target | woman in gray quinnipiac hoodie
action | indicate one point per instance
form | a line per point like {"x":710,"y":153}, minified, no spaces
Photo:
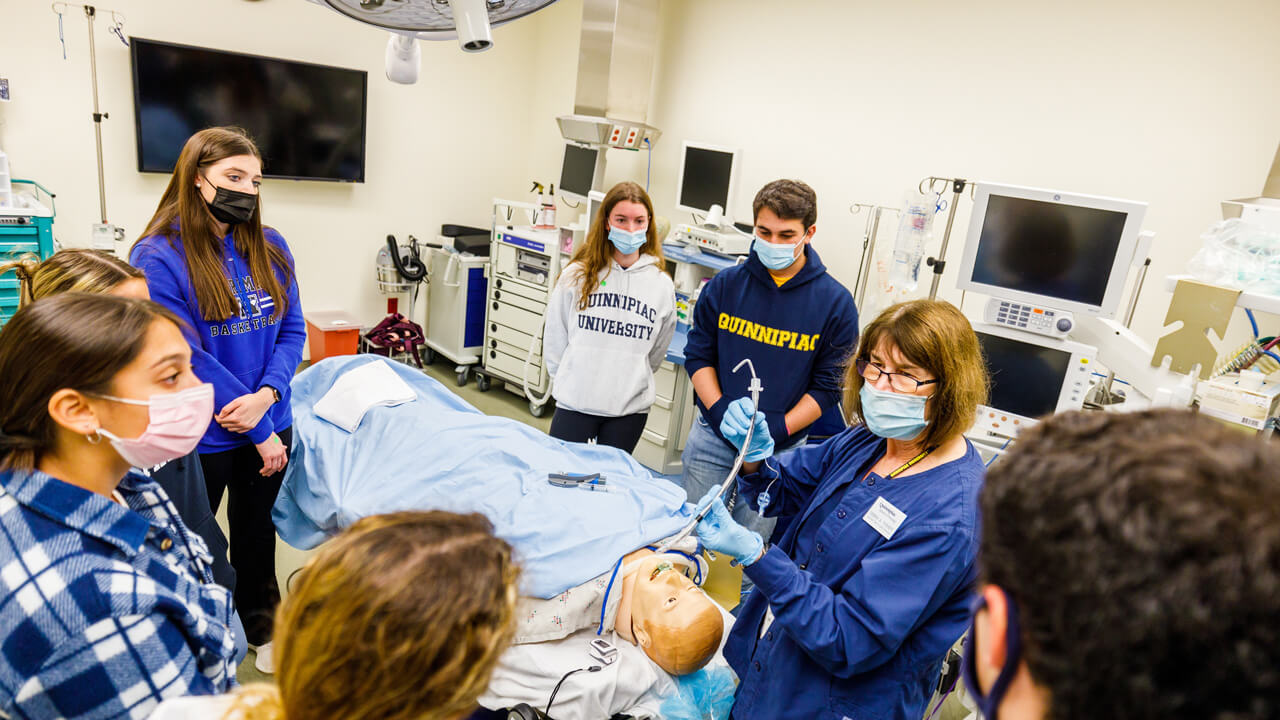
{"x":609,"y":322}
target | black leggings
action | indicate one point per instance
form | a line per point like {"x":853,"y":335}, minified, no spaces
{"x":620,"y":432}
{"x":253,"y":536}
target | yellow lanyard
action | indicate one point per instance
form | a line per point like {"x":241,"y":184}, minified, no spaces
{"x":904,"y":467}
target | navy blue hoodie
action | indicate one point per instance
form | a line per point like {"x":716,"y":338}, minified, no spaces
{"x":239,"y":355}
{"x":798,"y":337}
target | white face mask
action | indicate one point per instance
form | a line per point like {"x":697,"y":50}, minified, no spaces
{"x":776,"y":256}
{"x":177,"y":422}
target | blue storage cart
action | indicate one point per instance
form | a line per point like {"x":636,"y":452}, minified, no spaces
{"x":26,"y":229}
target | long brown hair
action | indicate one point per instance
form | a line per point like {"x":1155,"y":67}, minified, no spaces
{"x":597,"y":252}
{"x":73,"y":340}
{"x":936,"y":336}
{"x":70,"y":270}
{"x":401,"y":617}
{"x":183,"y":214}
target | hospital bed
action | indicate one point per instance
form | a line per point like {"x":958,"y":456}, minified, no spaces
{"x":425,"y":448}
{"x":437,"y":452}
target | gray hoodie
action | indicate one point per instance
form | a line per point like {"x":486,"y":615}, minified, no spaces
{"x":602,"y":359}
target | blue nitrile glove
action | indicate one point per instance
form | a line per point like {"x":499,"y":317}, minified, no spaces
{"x":721,"y":533}
{"x":734,"y":429}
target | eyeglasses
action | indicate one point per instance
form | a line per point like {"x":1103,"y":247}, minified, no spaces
{"x":900,"y":382}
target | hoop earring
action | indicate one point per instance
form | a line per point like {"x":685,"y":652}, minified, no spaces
{"x":94,"y":437}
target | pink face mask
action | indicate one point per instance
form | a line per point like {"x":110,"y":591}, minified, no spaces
{"x":177,"y":422}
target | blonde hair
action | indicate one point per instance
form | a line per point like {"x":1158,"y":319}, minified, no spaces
{"x":937,"y":337}
{"x":401,"y":617}
{"x":596,"y":253}
{"x":71,"y":270}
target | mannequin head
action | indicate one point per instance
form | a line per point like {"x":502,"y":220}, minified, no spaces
{"x":673,"y":620}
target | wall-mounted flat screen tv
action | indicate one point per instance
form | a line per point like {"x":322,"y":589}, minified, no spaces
{"x":308,"y":120}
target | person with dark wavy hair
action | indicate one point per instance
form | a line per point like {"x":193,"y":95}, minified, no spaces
{"x":1130,"y":569}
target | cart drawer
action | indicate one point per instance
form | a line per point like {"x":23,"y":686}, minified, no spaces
{"x":511,"y":336}
{"x":651,"y":452}
{"x":664,"y":380}
{"x":506,"y":297}
{"x":517,"y":352}
{"x":515,"y":317}
{"x":511,"y":368}
{"x":659,"y":420}
{"x":11,"y":248}
{"x":505,"y":286}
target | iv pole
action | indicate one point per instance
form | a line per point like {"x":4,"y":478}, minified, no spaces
{"x":98,"y":116}
{"x":939,"y":263}
{"x":104,"y":234}
{"x":868,"y":245}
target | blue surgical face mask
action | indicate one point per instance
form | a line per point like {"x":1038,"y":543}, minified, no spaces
{"x":628,"y":242}
{"x":775,"y":256}
{"x":989,"y":703}
{"x":892,"y":415}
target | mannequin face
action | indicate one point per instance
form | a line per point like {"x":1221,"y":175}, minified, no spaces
{"x":665,"y":596}
{"x":675,"y":622}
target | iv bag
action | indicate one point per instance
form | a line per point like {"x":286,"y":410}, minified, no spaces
{"x":915,"y":227}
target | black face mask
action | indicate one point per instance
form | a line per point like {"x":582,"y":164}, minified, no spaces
{"x":232,"y":206}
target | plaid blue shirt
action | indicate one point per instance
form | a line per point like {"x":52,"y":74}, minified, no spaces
{"x":104,"y":611}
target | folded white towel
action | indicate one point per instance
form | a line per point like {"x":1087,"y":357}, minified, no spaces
{"x":371,"y":385}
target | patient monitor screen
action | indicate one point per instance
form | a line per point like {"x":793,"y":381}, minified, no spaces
{"x":1044,"y":248}
{"x":579,"y":169}
{"x":1026,"y":379}
{"x":705,"y":178}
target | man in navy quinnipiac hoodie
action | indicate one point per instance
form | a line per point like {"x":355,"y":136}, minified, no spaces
{"x":796,"y":323}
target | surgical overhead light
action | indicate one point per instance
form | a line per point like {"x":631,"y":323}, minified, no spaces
{"x":467,"y":20}
{"x":403,"y":59}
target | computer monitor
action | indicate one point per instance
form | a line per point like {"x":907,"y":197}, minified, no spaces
{"x":707,"y":177}
{"x":1049,"y":248}
{"x":1031,"y":376}
{"x":581,"y":171}
{"x":595,"y":199}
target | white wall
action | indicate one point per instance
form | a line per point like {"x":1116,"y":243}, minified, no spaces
{"x":1168,"y":102}
{"x":437,"y":151}
{"x":1173,"y":103}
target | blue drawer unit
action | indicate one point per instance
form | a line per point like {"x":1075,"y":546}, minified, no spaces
{"x":24,"y":230}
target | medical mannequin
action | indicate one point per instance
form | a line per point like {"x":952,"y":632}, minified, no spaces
{"x":669,"y":617}
{"x":649,"y":602}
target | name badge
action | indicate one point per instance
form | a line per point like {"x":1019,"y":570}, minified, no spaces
{"x":885,"y":518}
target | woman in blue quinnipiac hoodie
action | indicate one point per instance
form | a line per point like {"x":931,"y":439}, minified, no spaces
{"x":209,"y":259}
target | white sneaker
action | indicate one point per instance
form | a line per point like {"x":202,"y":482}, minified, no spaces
{"x":264,"y":659}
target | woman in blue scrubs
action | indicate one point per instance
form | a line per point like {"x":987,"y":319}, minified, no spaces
{"x":857,"y":604}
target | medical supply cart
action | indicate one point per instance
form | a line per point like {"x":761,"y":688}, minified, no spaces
{"x":671,"y":417}
{"x":26,"y":228}
{"x":524,"y":266}
{"x":454,"y":317}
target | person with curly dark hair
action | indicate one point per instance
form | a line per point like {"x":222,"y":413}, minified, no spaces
{"x":1130,"y":569}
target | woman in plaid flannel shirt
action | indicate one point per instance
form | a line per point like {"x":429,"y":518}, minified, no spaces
{"x":107,"y":602}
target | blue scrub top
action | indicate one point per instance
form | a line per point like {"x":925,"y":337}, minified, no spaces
{"x":862,"y":622}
